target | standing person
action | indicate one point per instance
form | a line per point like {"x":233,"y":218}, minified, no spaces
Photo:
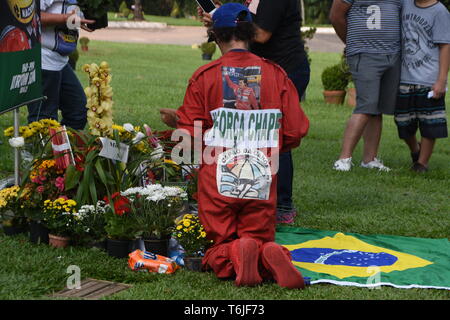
{"x":371,"y":31}
{"x":237,"y":191}
{"x":425,"y":64}
{"x":59,"y":82}
{"x":278,"y":38}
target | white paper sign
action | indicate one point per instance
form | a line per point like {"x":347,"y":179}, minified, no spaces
{"x":110,"y":150}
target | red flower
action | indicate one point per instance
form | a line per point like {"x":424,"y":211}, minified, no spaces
{"x":121,"y":203}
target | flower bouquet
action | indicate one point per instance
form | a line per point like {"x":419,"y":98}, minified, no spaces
{"x":191,"y":235}
{"x":120,"y":226}
{"x":91,"y":222}
{"x":154,"y":208}
{"x":61,"y":219}
{"x":11,"y":216}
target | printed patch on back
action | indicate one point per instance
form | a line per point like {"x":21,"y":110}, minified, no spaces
{"x":241,"y":87}
{"x":244,"y":174}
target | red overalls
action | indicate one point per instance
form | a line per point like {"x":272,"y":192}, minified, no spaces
{"x":237,"y":193}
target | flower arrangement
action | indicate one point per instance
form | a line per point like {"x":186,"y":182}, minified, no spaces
{"x":191,"y":235}
{"x":44,"y":182}
{"x":35,"y":136}
{"x":155,"y":208}
{"x":91,"y":222}
{"x":10,"y":214}
{"x":99,"y":99}
{"x":60,"y":216}
{"x":120,"y":224}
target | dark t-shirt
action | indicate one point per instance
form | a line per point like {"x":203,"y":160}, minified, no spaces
{"x":283,"y":19}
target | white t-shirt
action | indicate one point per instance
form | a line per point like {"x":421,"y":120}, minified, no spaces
{"x":51,"y":60}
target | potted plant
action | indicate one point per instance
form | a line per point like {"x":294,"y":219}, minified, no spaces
{"x":154,"y":209}
{"x":60,"y":217}
{"x":84,"y":42}
{"x":11,"y":217}
{"x":335,"y":81}
{"x":45,"y":181}
{"x":191,"y":235}
{"x":120,"y":226}
{"x":208,"y":49}
{"x":90,"y":228}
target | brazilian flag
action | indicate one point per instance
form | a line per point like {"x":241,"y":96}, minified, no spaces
{"x":368,"y":260}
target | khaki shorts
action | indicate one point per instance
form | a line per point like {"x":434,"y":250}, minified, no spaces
{"x":376,"y":78}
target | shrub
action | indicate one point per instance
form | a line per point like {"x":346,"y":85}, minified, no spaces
{"x":335,"y":78}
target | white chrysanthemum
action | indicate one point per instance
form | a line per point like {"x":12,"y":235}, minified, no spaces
{"x":17,"y":142}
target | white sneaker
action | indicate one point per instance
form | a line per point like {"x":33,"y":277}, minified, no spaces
{"x":375,"y":164}
{"x":343,"y":164}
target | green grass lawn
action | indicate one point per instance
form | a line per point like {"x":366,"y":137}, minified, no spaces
{"x":149,"y":77}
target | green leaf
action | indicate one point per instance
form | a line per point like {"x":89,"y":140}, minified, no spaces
{"x":72,"y":177}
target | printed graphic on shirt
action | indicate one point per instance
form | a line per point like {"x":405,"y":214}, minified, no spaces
{"x":244,"y":174}
{"x":417,"y":42}
{"x":241,"y":87}
{"x":244,"y":128}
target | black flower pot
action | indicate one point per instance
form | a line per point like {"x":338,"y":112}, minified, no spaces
{"x":14,"y":230}
{"x":98,"y":244}
{"x":193,"y":263}
{"x":206,"y":56}
{"x":118,"y":248}
{"x":38,"y":232}
{"x":157,"y":246}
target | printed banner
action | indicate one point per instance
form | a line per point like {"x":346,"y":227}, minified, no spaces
{"x":244,"y":128}
{"x":20,"y":53}
{"x":368,"y":261}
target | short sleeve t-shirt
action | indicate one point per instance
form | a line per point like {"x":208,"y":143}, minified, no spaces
{"x":423,"y":29}
{"x":373,"y":27}
{"x":51,"y":60}
{"x":283,"y":19}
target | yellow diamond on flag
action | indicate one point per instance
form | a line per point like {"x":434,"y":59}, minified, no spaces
{"x":345,"y":256}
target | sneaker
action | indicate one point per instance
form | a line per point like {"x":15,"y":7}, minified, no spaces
{"x":343,"y":164}
{"x":415,"y":155}
{"x":375,"y":164}
{"x":245,"y":259}
{"x":286,"y":216}
{"x":418,"y":167}
{"x":278,"y":263}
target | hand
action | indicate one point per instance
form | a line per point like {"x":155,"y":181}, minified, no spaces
{"x":71,"y":19}
{"x":205,"y":17}
{"x":439,"y":89}
{"x":169,"y":117}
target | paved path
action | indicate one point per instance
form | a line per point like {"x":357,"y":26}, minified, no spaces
{"x":325,"y":40}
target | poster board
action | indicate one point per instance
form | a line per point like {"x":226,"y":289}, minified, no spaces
{"x":20,"y":53}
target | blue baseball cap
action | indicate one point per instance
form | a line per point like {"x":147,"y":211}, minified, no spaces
{"x":229,"y":14}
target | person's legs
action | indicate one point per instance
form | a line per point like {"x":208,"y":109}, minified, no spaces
{"x":387,"y":101}
{"x":285,"y":209}
{"x":367,"y":71}
{"x":72,"y":100}
{"x":48,"y":108}
{"x":372,"y":137}
{"x":426,"y":150}
{"x":352,"y":134}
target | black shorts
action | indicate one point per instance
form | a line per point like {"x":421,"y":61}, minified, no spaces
{"x":415,"y":110}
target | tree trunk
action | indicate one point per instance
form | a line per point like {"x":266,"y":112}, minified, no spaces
{"x":138,"y":15}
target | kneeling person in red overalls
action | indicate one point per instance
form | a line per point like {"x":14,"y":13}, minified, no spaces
{"x":237,"y":191}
